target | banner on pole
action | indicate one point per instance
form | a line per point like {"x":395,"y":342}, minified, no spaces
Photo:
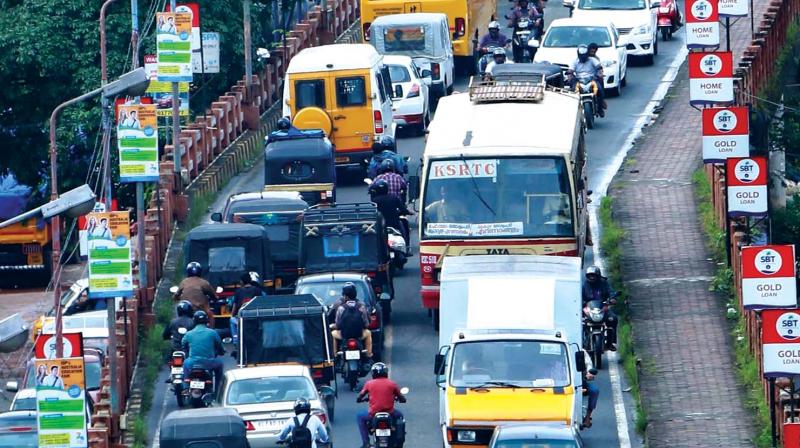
{"x":109,"y":255}
{"x":137,"y":140}
{"x":726,"y":133}
{"x":710,"y":78}
{"x":734,"y":8}
{"x":210,"y":56}
{"x":174,"y":46}
{"x":747,"y":186}
{"x":61,"y":403}
{"x":193,"y":9}
{"x":780,"y":339}
{"x":768,"y":277}
{"x":702,"y":24}
{"x":45,"y":345}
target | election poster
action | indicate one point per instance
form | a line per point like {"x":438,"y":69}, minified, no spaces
{"x":174,"y":46}
{"x":61,"y":403}
{"x":137,"y":140}
{"x":109,"y":241}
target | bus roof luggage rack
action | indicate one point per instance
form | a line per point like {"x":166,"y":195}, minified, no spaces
{"x":513,"y":87}
{"x":340,"y":212}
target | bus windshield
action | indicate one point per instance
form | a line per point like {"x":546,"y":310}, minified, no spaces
{"x":510,"y":197}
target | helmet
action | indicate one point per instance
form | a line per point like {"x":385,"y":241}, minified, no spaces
{"x":379,"y":370}
{"x":194,"y":269}
{"x":499,"y":53}
{"x":583,"y":53}
{"x":387,"y":166}
{"x":593,"y":271}
{"x":302,"y":406}
{"x":379,"y":187}
{"x":284,"y":124}
{"x":388,"y":143}
{"x":349,"y":290}
{"x":184,"y":308}
{"x":494,"y":25}
{"x":200,"y":317}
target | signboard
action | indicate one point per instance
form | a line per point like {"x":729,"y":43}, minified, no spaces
{"x":61,"y":403}
{"x":768,"y":277}
{"x":109,"y":255}
{"x":193,"y":9}
{"x":151,"y":66}
{"x":791,"y":435}
{"x":174,"y":46}
{"x":210,"y":57}
{"x":137,"y":140}
{"x":478,"y":230}
{"x":455,"y":169}
{"x":726,"y":133}
{"x":747,"y":186}
{"x":161,"y":94}
{"x":45,"y":346}
{"x":702,"y":24}
{"x":733,"y":8}
{"x":780,"y":337}
{"x":710,"y":78}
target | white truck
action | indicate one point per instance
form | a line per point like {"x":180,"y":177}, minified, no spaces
{"x":510,"y":341}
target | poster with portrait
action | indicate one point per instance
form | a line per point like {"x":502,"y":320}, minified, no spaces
{"x":137,"y":140}
{"x":174,"y":46}
{"x":61,"y":402}
{"x":109,"y":243}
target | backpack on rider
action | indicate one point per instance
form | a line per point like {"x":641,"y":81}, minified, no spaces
{"x":351,"y":321}
{"x":301,"y":435}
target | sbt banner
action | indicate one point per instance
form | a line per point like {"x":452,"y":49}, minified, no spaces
{"x":702,"y":24}
{"x":733,"y":8}
{"x":109,"y":244}
{"x":747,"y":186}
{"x":780,"y":339}
{"x":710,"y":78}
{"x":726,"y":133}
{"x":61,"y":402}
{"x":768,"y":277}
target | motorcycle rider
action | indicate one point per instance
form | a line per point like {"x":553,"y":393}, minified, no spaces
{"x":203,"y":345}
{"x":397,"y":185}
{"x":180,"y":325}
{"x":382,"y":393}
{"x":385,"y":148}
{"x":585,"y":66}
{"x":601,"y":93}
{"x":494,"y":38}
{"x":596,"y":287}
{"x":352,"y":320}
{"x":251,"y":288}
{"x":524,"y":11}
{"x":498,"y":58}
{"x":391,"y":207}
{"x":590,"y":389}
{"x":196,"y":289}
{"x":304,"y":419}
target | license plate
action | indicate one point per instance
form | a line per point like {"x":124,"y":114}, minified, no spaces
{"x":343,"y":159}
{"x":177,"y":371}
{"x":383,"y":432}
{"x":197,"y":385}
{"x":269,"y":425}
{"x":352,"y":355}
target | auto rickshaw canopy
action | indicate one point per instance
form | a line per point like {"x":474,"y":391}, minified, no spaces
{"x":205,"y":427}
{"x":229,"y":250}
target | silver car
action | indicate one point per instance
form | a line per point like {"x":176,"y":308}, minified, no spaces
{"x":264,"y":397}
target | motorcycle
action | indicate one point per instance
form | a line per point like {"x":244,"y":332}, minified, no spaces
{"x":199,"y":385}
{"x":353,"y":362}
{"x":595,"y":331}
{"x":669,"y":19}
{"x":587,"y":87}
{"x":397,"y":247}
{"x":483,"y":56}
{"x":176,"y":376}
{"x":525,"y":35}
{"x":385,"y":431}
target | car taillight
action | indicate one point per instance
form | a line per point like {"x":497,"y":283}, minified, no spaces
{"x":383,"y":424}
{"x":366,"y":30}
{"x":373,"y":321}
{"x":461,"y":26}
{"x":378,"y":118}
{"x":414,"y":92}
{"x":316,"y":373}
{"x":248,"y":425}
{"x":177,"y":361}
{"x":436,"y":71}
{"x":352,"y":344}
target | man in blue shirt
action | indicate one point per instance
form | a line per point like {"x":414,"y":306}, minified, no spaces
{"x":385,"y":148}
{"x":203,"y":345}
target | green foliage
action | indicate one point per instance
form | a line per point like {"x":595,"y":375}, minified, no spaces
{"x":786,"y":223}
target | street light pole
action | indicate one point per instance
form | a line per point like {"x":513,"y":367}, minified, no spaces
{"x":104,"y":105}
{"x":176,"y":124}
{"x":248,"y":51}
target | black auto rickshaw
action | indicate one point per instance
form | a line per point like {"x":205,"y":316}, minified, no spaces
{"x":205,"y":427}
{"x":280,"y":213}
{"x":301,"y":160}
{"x":289,"y":329}
{"x":227,"y":251}
{"x":346,"y":237}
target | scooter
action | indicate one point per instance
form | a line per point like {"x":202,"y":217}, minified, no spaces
{"x":397,"y":248}
{"x":353,"y":362}
{"x":385,"y":431}
{"x":669,"y":19}
{"x":483,"y":56}
{"x":524,"y":36}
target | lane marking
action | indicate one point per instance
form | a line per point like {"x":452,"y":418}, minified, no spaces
{"x":623,"y":432}
{"x":157,"y":435}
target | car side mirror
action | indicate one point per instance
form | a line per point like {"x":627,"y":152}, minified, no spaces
{"x":398,"y":91}
{"x":438,"y":363}
{"x":12,"y":386}
{"x":384,"y":297}
{"x":589,"y":192}
{"x":413,"y":187}
{"x":580,"y":361}
{"x":216,"y":217}
{"x":568,"y":3}
{"x":425,"y":73}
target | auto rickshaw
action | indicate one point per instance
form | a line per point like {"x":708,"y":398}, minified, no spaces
{"x":227,"y":251}
{"x":301,"y":160}
{"x":206,"y":427}
{"x":279,"y":212}
{"x":289,"y":329}
{"x":347,"y":237}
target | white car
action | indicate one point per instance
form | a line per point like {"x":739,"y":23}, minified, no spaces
{"x":560,"y":46}
{"x":410,"y":93}
{"x":635,"y":20}
{"x":264,"y":397}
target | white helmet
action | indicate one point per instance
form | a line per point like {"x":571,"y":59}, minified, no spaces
{"x":494,"y":25}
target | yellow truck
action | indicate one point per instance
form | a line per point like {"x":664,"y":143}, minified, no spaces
{"x":468,"y":19}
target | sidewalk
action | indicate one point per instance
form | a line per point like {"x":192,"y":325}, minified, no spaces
{"x":688,"y":384}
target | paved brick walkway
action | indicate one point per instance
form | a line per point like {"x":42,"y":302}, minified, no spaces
{"x":688,"y":383}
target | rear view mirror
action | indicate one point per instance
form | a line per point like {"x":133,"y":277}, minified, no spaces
{"x":580,"y":361}
{"x":438,"y":363}
{"x":173,"y":289}
{"x":216,"y":217}
{"x":426,"y":73}
{"x":568,"y":3}
{"x":12,"y":386}
{"x":398,"y":91}
{"x":405,"y":390}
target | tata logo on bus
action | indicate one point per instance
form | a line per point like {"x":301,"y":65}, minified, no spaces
{"x":454,"y":169}
{"x":747,"y":186}
{"x":710,"y":77}
{"x":780,"y":339}
{"x":726,"y":133}
{"x":768,"y":282}
{"x":702,"y":24}
{"x":501,"y":251}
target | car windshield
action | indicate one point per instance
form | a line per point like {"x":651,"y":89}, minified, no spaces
{"x":24,"y":404}
{"x":536,"y":443}
{"x":398,"y":73}
{"x":495,"y":198}
{"x":572,"y":36}
{"x":269,"y":390}
{"x":328,"y":292}
{"x":510,"y":364}
{"x":20,"y":439}
{"x":612,"y":4}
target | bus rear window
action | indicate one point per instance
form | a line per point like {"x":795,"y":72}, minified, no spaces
{"x":351,"y":91}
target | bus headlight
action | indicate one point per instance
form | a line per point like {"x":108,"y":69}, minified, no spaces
{"x":466,"y":436}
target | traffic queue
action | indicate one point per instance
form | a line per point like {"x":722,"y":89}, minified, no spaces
{"x":302,"y":285}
